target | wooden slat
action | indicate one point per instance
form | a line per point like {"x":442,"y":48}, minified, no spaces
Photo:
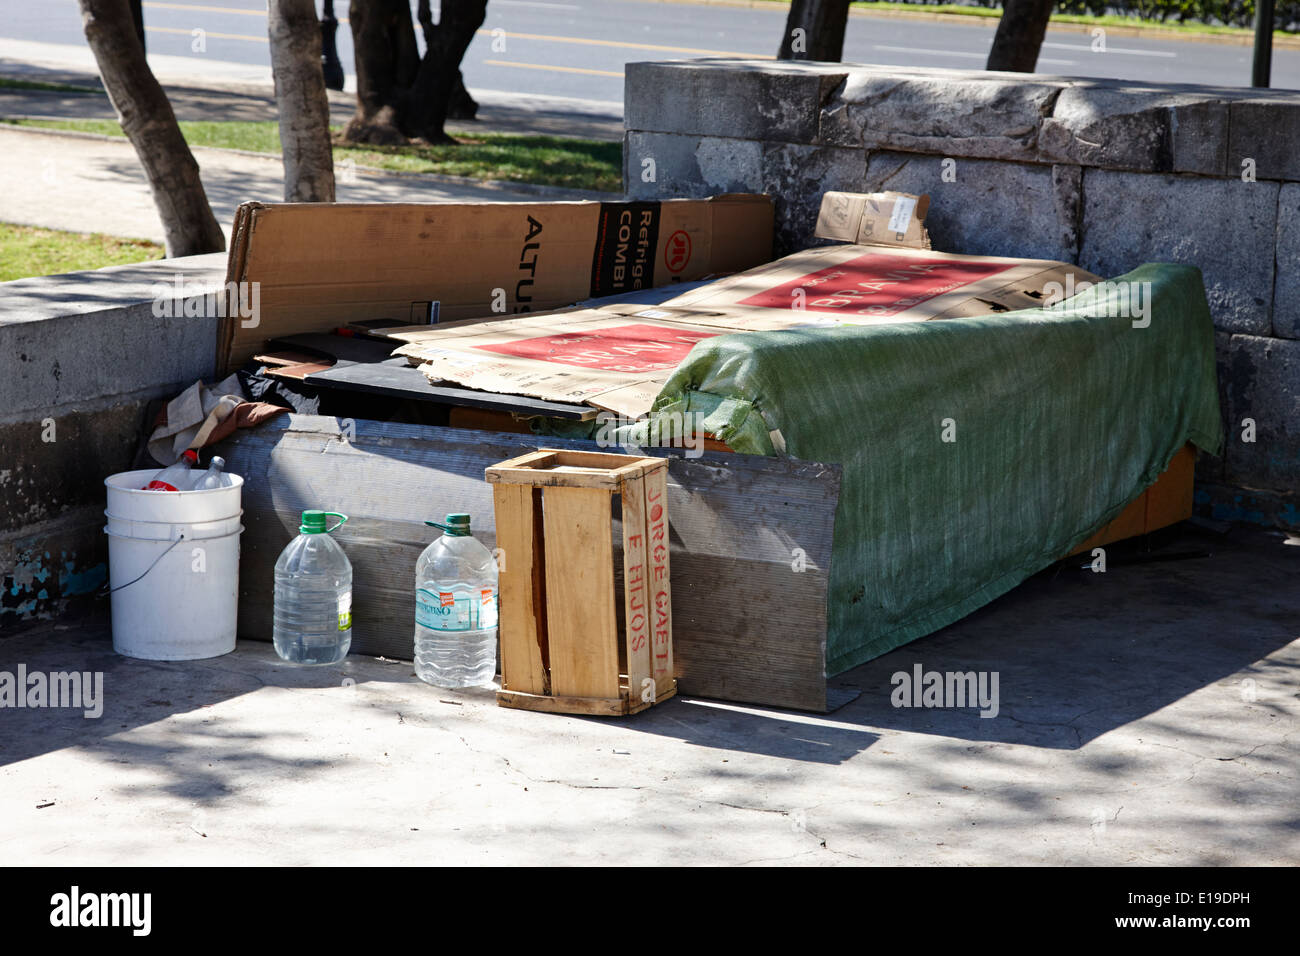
{"x":561,"y":477}
{"x":636,"y":573}
{"x":592,"y":459}
{"x":581,"y":622}
{"x":587,"y":706}
{"x":534,"y":459}
{"x":661,"y":603}
{"x":522,"y":618}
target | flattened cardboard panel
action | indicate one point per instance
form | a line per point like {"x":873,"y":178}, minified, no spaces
{"x":319,"y":265}
{"x":617,"y":357}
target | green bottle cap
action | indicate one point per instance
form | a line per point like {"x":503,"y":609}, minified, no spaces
{"x":457,"y":525}
{"x":313,"y":522}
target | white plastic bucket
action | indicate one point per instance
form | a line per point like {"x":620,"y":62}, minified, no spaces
{"x":173,"y":566}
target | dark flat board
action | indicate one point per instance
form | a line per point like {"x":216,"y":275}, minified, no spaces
{"x":342,"y":348}
{"x":750,"y":541}
{"x":407,"y":381}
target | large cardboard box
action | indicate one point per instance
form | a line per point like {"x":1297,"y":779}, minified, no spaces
{"x":320,"y":265}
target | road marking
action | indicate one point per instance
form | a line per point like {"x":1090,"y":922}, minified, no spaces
{"x":586,"y":41}
{"x":971,"y":56}
{"x":917,"y":49}
{"x":205,"y":9}
{"x":537,"y":3}
{"x":557,"y":69}
{"x":1109,"y":49}
{"x":206,"y":33}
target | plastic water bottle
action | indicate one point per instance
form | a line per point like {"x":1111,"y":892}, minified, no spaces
{"x":456,"y":609}
{"x":313,"y":595}
{"x":177,"y":476}
{"x":213,"y":477}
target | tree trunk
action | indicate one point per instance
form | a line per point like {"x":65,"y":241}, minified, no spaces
{"x":399,"y":95}
{"x":1019,"y":36}
{"x":462,"y":106}
{"x":149,"y":123}
{"x":137,"y":17}
{"x":386,"y":58}
{"x":435,"y":82}
{"x":814,"y":30}
{"x":300,"y":94}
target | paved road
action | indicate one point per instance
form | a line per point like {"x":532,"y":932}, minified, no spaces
{"x":578,"y":48}
{"x":86,"y":184}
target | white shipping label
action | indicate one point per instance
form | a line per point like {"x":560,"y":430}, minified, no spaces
{"x":902,"y":214}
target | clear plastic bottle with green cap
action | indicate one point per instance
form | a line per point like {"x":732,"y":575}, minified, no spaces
{"x":456,"y":609}
{"x":313,"y":594}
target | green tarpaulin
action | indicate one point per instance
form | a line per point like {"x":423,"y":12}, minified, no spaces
{"x":975,"y":452}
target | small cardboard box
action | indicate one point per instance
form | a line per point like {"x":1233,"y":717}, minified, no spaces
{"x":321,"y":265}
{"x":887,"y":219}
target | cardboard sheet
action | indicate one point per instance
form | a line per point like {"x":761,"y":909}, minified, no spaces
{"x":321,"y":265}
{"x":870,"y":285}
{"x":617,"y":357}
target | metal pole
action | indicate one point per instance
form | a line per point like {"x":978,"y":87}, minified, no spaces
{"x":1262,"y":63}
{"x":329,"y":51}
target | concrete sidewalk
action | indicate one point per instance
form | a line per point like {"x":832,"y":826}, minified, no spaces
{"x":1147,"y":715}
{"x":96,"y":184}
{"x":93,"y":184}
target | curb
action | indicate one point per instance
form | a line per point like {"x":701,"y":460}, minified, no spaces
{"x":504,"y":185}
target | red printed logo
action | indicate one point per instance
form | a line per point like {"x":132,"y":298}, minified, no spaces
{"x":446,"y":599}
{"x":677,"y":251}
{"x":876,"y":284}
{"x":622,"y":348}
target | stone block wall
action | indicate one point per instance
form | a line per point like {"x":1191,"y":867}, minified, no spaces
{"x":1103,"y":173}
{"x":81,"y":357}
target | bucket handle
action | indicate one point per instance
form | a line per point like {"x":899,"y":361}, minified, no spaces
{"x":108,"y":590}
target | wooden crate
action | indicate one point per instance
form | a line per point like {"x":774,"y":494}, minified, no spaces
{"x":560,"y":644}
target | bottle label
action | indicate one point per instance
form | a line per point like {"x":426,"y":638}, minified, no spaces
{"x":345,"y":611}
{"x":458,"y":609}
{"x":157,"y":485}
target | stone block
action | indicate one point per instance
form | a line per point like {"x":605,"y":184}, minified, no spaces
{"x":1223,"y":226}
{"x":992,"y":208}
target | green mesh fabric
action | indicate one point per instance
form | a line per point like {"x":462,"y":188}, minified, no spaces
{"x":1060,"y":418}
